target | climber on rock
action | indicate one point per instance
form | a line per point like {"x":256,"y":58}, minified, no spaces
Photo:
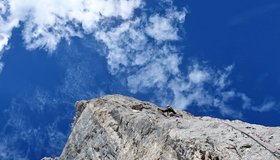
{"x":169,"y":112}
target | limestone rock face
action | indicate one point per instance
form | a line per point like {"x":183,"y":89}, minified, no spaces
{"x":119,"y":127}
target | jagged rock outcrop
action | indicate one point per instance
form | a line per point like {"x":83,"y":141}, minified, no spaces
{"x":119,"y":127}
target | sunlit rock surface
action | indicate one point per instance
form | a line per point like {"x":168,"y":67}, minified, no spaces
{"x":119,"y":127}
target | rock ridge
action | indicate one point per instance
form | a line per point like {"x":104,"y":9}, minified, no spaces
{"x":120,"y":127}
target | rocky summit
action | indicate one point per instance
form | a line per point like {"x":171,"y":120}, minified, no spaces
{"x":123,"y":128}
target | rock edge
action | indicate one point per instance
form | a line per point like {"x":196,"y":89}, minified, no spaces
{"x":119,"y":127}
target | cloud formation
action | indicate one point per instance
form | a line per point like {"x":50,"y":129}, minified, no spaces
{"x":140,"y":51}
{"x":37,"y":121}
{"x":162,"y":28}
{"x":138,"y":47}
{"x":47,"y":22}
{"x":24,"y":139}
{"x":1,"y":67}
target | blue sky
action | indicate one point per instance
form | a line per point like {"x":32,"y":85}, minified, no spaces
{"x":216,"y":58}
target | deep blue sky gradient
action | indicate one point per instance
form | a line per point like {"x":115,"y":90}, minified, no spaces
{"x":243,"y":33}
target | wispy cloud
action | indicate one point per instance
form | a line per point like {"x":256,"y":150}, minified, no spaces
{"x":138,"y":47}
{"x":266,"y":106}
{"x":203,"y":86}
{"x":46,"y":23}
{"x":254,"y":13}
{"x":162,"y":28}
{"x":139,"y":50}
{"x":7,"y":153}
{"x":1,"y":66}
{"x":26,"y":133}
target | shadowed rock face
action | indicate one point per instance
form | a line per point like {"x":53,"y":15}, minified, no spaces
{"x":119,"y":127}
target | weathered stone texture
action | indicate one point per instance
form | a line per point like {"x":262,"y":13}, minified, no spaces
{"x":119,"y":127}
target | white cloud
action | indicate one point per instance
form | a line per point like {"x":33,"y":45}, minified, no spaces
{"x":138,"y":52}
{"x":200,"y":88}
{"x":163,"y":64}
{"x":247,"y":101}
{"x":152,"y":75}
{"x":137,"y":47}
{"x":46,"y":22}
{"x":127,"y":44}
{"x":266,"y":106}
{"x":146,"y":63}
{"x":3,"y":41}
{"x":197,"y":76}
{"x":1,"y":66}
{"x":161,"y":28}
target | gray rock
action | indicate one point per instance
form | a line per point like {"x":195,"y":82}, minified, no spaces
{"x":119,"y":127}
